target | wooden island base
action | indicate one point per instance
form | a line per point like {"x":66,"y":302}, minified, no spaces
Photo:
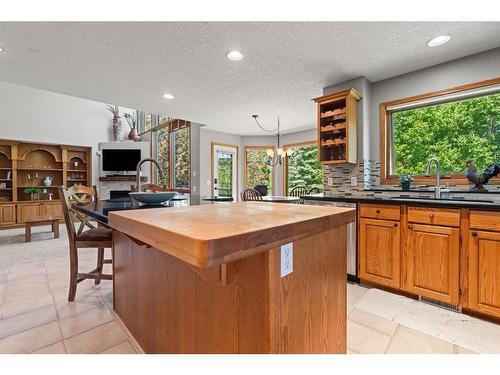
{"x":243,"y":306}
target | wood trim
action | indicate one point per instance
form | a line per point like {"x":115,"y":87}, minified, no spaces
{"x":257,"y":147}
{"x":385,"y":178}
{"x":285,"y":167}
{"x":212,"y":147}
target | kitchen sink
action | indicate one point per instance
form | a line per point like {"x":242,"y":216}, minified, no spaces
{"x":442,"y":199}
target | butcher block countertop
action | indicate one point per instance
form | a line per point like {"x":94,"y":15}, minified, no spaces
{"x":210,"y":235}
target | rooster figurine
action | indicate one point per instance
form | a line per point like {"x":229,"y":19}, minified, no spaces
{"x":479,"y":179}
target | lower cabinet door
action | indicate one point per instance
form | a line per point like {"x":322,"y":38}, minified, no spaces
{"x":484,"y":272}
{"x":53,"y":209}
{"x":27,"y":211}
{"x":379,"y":252}
{"x":433,"y":262}
{"x":7,"y":214}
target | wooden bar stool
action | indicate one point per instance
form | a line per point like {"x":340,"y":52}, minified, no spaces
{"x":95,"y":237}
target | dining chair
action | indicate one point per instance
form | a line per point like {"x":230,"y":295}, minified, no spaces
{"x":314,"y":190}
{"x":95,"y":237}
{"x":250,"y":195}
{"x":298,"y":191}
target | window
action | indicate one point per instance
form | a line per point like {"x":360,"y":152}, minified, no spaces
{"x":171,"y":146}
{"x":258,"y":171}
{"x":181,"y":160}
{"x":162,"y":144}
{"x":303,"y":168}
{"x":454,"y":127}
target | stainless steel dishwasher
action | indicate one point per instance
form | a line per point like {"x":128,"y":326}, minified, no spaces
{"x":352,"y":262}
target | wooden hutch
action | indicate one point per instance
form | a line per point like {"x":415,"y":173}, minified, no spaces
{"x":25,"y":165}
{"x":337,"y":127}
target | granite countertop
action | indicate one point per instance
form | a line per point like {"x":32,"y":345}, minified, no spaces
{"x":410,"y":199}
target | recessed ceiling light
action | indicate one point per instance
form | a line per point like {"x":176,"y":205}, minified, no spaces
{"x":438,"y":41}
{"x":234,"y":55}
{"x":168,"y":96}
{"x":1,"y":49}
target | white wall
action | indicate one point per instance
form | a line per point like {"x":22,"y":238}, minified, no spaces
{"x":29,"y":114}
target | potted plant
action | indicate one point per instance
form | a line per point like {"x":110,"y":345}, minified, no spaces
{"x":117,"y":122}
{"x":34,"y":192}
{"x":132,"y":122}
{"x":405,"y":181}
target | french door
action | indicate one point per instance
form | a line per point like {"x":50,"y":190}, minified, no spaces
{"x":224,"y":171}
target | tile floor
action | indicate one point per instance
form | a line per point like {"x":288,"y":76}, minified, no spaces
{"x":35,"y":316}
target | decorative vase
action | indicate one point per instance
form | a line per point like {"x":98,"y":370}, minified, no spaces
{"x":117,"y":128}
{"x":35,"y":196}
{"x":405,"y":186}
{"x":262,"y":189}
{"x":133,"y":136}
{"x":47,"y":181}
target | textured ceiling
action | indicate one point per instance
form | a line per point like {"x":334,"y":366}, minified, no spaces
{"x":286,"y":64}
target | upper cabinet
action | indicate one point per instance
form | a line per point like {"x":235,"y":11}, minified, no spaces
{"x":337,"y":127}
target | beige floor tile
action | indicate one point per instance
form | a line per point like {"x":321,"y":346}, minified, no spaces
{"x":23,"y":290}
{"x":355,"y":292}
{"x":58,"y":281}
{"x":375,"y":322}
{"x":26,"y":304}
{"x":123,"y":348}
{"x":365,"y":340}
{"x":27,"y":320}
{"x":460,"y":350}
{"x":96,"y":340}
{"x":83,"y":322}
{"x":410,"y":341}
{"x":57,"y":348}
{"x":31,"y":340}
{"x":25,"y":270}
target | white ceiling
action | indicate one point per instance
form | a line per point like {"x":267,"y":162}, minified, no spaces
{"x":286,"y":64}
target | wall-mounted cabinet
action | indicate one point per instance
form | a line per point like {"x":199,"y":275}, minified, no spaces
{"x":25,"y":165}
{"x":337,"y":127}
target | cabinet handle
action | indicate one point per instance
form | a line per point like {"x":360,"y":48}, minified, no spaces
{"x":378,"y":210}
{"x":395,"y":224}
{"x":474,"y":234}
{"x":431,"y":216}
{"x":410,"y":226}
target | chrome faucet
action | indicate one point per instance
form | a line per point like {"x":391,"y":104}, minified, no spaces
{"x":138,"y":172}
{"x":437,"y":189}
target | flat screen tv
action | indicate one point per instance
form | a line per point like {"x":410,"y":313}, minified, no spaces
{"x":120,"y":160}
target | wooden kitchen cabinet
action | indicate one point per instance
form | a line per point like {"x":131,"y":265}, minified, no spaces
{"x":7,"y":214}
{"x":27,"y":211}
{"x":52,"y":209}
{"x":432,"y":262}
{"x":379,"y":251}
{"x":484,"y":272}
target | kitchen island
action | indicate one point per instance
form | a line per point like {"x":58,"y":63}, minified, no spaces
{"x":208,"y":279}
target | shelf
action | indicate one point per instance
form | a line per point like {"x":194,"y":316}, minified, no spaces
{"x":5,"y":179}
{"x":78,"y":170}
{"x":77,"y":179}
{"x":333,"y":128}
{"x":41,"y":169}
{"x":336,"y":112}
{"x":3,"y":189}
{"x":39,"y":186}
{"x":332,"y":144}
{"x":121,"y":178}
{"x":5,"y":168}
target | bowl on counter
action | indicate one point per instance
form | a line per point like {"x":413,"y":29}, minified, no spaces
{"x":151,"y":197}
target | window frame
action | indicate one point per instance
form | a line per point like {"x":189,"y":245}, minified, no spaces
{"x":386,"y":141}
{"x":169,"y":124}
{"x":285,"y":167}
{"x":258,"y":147}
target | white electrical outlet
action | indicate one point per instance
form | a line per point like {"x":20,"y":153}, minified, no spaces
{"x":286,"y":259}
{"x":330,"y":181}
{"x":354,"y":181}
